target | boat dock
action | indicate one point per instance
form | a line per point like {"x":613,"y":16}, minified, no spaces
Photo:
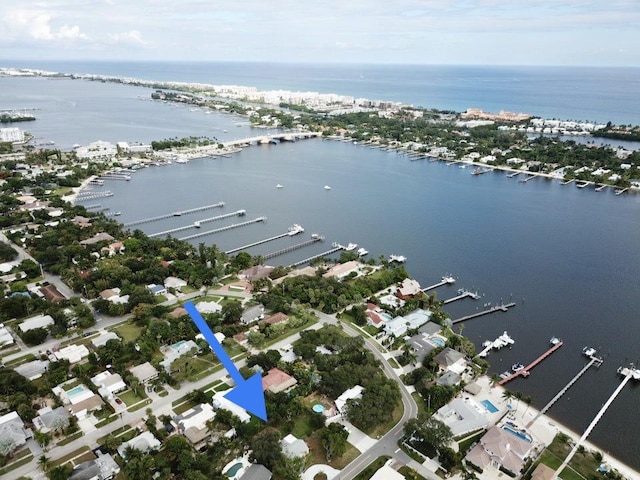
{"x":628,"y":374}
{"x":514,"y":174}
{"x":224,"y":229}
{"x":462,"y":294}
{"x":238,"y":213}
{"x":174,"y":214}
{"x":620,"y":192}
{"x":527,"y":370}
{"x":90,"y":195}
{"x":115,"y":176}
{"x":582,"y":185}
{"x":502,"y":307}
{"x":259,"y":242}
{"x":601,"y":187}
{"x":446,"y":280}
{"x":525,"y":180}
{"x":335,"y":249}
{"x":92,"y":207}
{"x":291,"y":248}
{"x":568,"y":181}
{"x":593,"y":361}
{"x":500,"y":342}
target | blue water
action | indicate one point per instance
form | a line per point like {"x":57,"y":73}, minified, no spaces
{"x":490,"y":406}
{"x":318,"y":408}
{"x":578,"y":93}
{"x":234,"y":469}
{"x":438,"y":341}
{"x":75,"y":391}
{"x":568,"y":257}
{"x":177,"y":345}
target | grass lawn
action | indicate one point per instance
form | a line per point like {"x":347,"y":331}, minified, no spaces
{"x":317,"y":454}
{"x":368,"y":472}
{"x":20,"y":360}
{"x":17,"y":462}
{"x":128,"y":331}
{"x":107,"y":420}
{"x":117,"y":432}
{"x":287,"y":333}
{"x":140,"y":405}
{"x":393,"y":363}
{"x":69,"y":456}
{"x":183,"y":407}
{"x":70,"y":438}
{"x":583,"y":464}
{"x":410,"y":473}
{"x":129,"y":397}
{"x":379,"y":430}
{"x":302,"y":426}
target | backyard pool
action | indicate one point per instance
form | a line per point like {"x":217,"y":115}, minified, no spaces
{"x":234,"y":469}
{"x":490,"y":406}
{"x":438,"y":341}
{"x":318,"y":408}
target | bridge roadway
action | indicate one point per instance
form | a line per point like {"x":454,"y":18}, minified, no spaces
{"x":286,"y":137}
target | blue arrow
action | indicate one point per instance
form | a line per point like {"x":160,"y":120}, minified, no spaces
{"x":248,"y":393}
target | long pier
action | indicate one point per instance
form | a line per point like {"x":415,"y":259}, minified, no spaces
{"x":594,"y":360}
{"x":92,"y":207}
{"x":514,"y":174}
{"x":259,"y":242}
{"x":463,"y":294}
{"x":601,"y":187}
{"x":237,"y":213}
{"x":568,"y":181}
{"x":525,"y":180}
{"x":446,"y":280}
{"x":502,"y":308}
{"x":328,"y":252}
{"x":291,"y":248}
{"x":526,"y":370}
{"x":627,"y":376}
{"x":223,"y":229}
{"x":174,"y":214}
{"x":82,"y":196}
{"x":620,"y":192}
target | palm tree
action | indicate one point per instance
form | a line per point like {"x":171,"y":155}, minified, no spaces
{"x":44,"y":463}
{"x":528,"y":401}
{"x":507,"y":395}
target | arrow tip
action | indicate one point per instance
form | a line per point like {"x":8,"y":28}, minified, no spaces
{"x":250,"y":396}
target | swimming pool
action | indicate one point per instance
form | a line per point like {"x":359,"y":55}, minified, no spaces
{"x":490,"y":406}
{"x":75,"y":391}
{"x":438,"y":341}
{"x":318,"y":408}
{"x":386,"y":316}
{"x":176,"y":346}
{"x":518,"y":434}
{"x":234,"y":469}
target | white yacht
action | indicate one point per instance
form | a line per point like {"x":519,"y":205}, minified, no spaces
{"x":351,"y":246}
{"x":397,"y":258}
{"x":295,"y":229}
{"x":327,"y":187}
{"x":279,"y":186}
{"x":362,"y":252}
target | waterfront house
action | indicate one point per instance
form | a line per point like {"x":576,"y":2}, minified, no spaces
{"x":341,"y":271}
{"x":97,"y":238}
{"x":399,"y":325}
{"x":462,"y":416}
{"x":252,"y":314}
{"x":256,"y":272}
{"x":144,"y":442}
{"x":409,"y":288}
{"x":499,"y":449}
{"x":144,"y":372}
{"x":12,"y":432}
{"x":278,"y":381}
{"x":451,"y":360}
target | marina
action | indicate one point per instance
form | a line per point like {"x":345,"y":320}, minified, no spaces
{"x":174,"y":214}
{"x":198,"y":223}
{"x":521,"y":370}
{"x":224,"y":229}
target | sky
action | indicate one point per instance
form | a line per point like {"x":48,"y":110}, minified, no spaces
{"x":460,"y":32}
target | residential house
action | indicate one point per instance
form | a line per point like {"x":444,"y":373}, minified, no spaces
{"x":193,"y":424}
{"x":342,"y":270}
{"x":500,"y":449}
{"x":255,"y":273}
{"x":97,"y":238}
{"x":352,"y":393}
{"x":51,"y":420}
{"x":208,"y":307}
{"x":175,"y":283}
{"x":257,"y":472}
{"x":293,"y":447}
{"x":252,"y":314}
{"x":72,"y":353}
{"x":374,"y":315}
{"x":178,"y":312}
{"x":12,"y":432}
{"x":157,"y":289}
{"x":462,"y":416}
{"x":32,"y":370}
{"x":177,"y":350}
{"x":219,"y":401}
{"x":51,"y":294}
{"x":39,"y":321}
{"x":542,"y":472}
{"x":276,"y":318}
{"x":79,"y":400}
{"x":399,"y":325}
{"x":103,"y":338}
{"x":387,"y":473}
{"x":144,"y":372}
{"x":104,"y":467}
{"x":5,"y":337}
{"x":409,"y":288}
{"x":144,"y":442}
{"x":277,"y":381}
{"x":449,"y":359}
{"x":108,"y":384}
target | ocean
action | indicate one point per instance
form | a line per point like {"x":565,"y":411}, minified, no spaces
{"x":567,"y":257}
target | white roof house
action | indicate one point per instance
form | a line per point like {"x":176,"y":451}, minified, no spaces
{"x":400,"y":325}
{"x":12,"y":429}
{"x":172,"y":352}
{"x":72,"y":353}
{"x":5,"y":337}
{"x":293,"y":447}
{"x":462,"y":416}
{"x":219,"y":401}
{"x":174,"y":282}
{"x":104,"y":337}
{"x":387,"y":473}
{"x":350,"y":394}
{"x":208,"y":307}
{"x":110,"y":382}
{"x":40,"y":321}
{"x":143,"y":442}
{"x":144,"y":372}
{"x":193,"y":423}
{"x":32,"y":370}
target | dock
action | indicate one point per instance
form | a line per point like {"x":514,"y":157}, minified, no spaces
{"x":90,"y":195}
{"x":446,"y":280}
{"x":500,"y":342}
{"x":462,"y":294}
{"x":620,"y":192}
{"x":92,"y":207}
{"x":568,"y":181}
{"x":238,"y":213}
{"x":335,"y":249}
{"x":174,"y":214}
{"x":593,"y":361}
{"x":525,"y":180}
{"x":223,"y":229}
{"x":525,"y":372}
{"x":514,"y":174}
{"x":291,"y":248}
{"x":628,"y":374}
{"x":601,"y":187}
{"x":502,"y":308}
{"x":582,"y":185}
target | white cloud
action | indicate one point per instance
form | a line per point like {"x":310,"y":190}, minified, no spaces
{"x":132,"y":37}
{"x":21,"y":24}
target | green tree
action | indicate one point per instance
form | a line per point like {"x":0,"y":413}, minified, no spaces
{"x":231,"y":311}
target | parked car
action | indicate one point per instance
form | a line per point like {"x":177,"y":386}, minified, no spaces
{"x":118,"y":401}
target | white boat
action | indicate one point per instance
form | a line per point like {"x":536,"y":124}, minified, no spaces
{"x":295,"y":229}
{"x":397,"y":258}
{"x":554,"y":340}
{"x":362,"y":252}
{"x":279,"y":186}
{"x":589,"y":351}
{"x":351,"y":246}
{"x":516,"y":367}
{"x":327,"y":187}
{"x":504,"y":375}
{"x":196,"y":224}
